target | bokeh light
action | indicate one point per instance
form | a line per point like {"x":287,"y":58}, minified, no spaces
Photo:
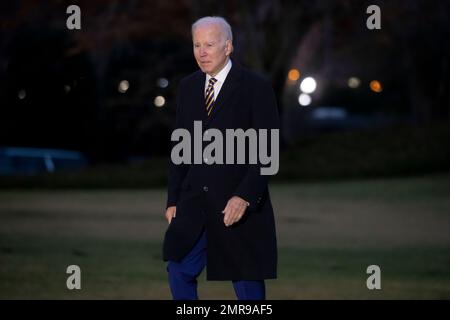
{"x":304,"y":99}
{"x":308,"y":85}
{"x":375,"y":86}
{"x":162,"y":82}
{"x":293,"y":75}
{"x":123,"y":86}
{"x":159,"y":101}
{"x":354,"y":82}
{"x":22,"y":94}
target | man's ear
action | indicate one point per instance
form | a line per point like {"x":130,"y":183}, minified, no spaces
{"x":228,"y":47}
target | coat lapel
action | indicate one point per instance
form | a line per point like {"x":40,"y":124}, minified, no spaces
{"x":231,"y":83}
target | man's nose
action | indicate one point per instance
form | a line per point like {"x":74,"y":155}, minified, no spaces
{"x":202,"y":51}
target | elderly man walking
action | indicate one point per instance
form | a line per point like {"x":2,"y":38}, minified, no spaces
{"x":220,"y":215}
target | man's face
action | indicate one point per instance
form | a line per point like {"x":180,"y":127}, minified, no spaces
{"x":211,"y":50}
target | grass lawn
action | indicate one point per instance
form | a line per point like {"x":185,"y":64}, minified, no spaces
{"x":328,"y":234}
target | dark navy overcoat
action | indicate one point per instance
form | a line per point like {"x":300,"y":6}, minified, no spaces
{"x":246,"y":250}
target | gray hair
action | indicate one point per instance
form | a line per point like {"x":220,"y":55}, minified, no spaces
{"x":215,"y":20}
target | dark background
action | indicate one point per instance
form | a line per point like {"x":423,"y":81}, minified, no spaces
{"x":59,"y":88}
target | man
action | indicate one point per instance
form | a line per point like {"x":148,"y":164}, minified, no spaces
{"x":220,"y":215}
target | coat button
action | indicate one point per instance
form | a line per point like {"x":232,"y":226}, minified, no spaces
{"x":205,"y":188}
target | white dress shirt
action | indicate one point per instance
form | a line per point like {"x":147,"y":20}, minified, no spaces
{"x":220,"y":77}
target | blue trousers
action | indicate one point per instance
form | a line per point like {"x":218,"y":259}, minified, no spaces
{"x":183,"y":277}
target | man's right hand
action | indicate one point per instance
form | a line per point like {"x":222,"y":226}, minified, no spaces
{"x":171,"y":213}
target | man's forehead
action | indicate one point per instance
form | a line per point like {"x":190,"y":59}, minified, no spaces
{"x":207,"y":30}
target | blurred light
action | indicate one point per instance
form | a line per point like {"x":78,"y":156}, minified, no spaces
{"x":354,"y":82}
{"x":67,"y":88}
{"x":304,"y":99}
{"x":49,"y":164}
{"x":308,"y":85}
{"x":293,"y":75}
{"x":159,"y":101}
{"x":22,"y":94}
{"x":375,"y":86}
{"x":162,"y":82}
{"x":329,"y":113}
{"x":123,"y":86}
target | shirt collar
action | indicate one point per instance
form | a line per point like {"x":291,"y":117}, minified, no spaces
{"x":222,"y":75}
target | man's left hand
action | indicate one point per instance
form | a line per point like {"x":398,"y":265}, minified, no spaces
{"x":234,"y":210}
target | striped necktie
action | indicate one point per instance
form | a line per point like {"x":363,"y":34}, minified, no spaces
{"x":209,"y":95}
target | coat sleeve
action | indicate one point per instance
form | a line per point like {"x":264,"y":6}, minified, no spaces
{"x":178,"y":172}
{"x":253,"y":187}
